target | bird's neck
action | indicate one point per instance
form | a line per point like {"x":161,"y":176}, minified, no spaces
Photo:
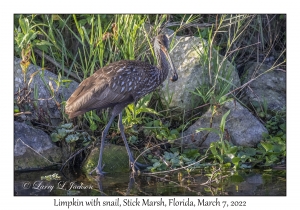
{"x":163,"y":65}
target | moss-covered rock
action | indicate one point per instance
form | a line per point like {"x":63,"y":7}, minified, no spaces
{"x":115,"y":159}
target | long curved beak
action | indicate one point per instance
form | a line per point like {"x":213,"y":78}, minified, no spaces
{"x":175,"y":75}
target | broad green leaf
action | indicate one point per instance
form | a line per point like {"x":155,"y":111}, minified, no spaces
{"x":68,"y":125}
{"x":185,"y":159}
{"x":172,"y":137}
{"x":153,"y":160}
{"x":156,"y":123}
{"x":192,"y":153}
{"x":174,"y":131}
{"x":72,"y":138}
{"x":276,"y":139}
{"x":42,"y":47}
{"x":19,"y":39}
{"x":146,"y":110}
{"x":175,"y":162}
{"x":168,"y":155}
{"x":278,"y":148}
{"x":93,"y":127}
{"x":163,"y":133}
{"x":282,"y":126}
{"x":131,"y":107}
{"x":233,"y":149}
{"x":156,"y":164}
{"x":267,"y":146}
{"x":55,"y":137}
{"x":44,"y":42}
{"x":273,"y":158}
{"x":250,"y":151}
{"x":144,"y":101}
{"x":223,"y":121}
{"x":62,"y":132}
{"x":159,"y":137}
{"x":24,"y":23}
{"x":32,"y":35}
{"x":213,"y":149}
{"x":235,"y":161}
{"x":226,"y":165}
{"x":95,"y":117}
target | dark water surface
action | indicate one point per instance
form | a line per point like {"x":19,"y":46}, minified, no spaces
{"x":243,"y":183}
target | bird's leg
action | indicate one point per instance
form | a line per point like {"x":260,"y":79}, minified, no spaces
{"x":104,"y":133}
{"x":133,"y":164}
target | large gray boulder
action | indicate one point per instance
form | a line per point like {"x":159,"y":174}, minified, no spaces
{"x":186,"y":55}
{"x":33,"y":148}
{"x":47,"y":106}
{"x":242,"y":128}
{"x":270,"y":87}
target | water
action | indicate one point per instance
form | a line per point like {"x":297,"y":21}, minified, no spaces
{"x":242,"y":183}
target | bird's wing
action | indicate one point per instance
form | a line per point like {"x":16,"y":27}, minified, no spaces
{"x":84,"y":95}
{"x":119,"y":82}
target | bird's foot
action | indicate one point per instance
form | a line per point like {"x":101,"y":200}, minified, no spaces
{"x":98,"y":170}
{"x":136,"y":166}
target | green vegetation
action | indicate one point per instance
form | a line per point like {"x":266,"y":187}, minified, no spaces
{"x":51,"y":177}
{"x":77,"y":45}
{"x":67,"y":133}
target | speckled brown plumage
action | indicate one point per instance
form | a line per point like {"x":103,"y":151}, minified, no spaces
{"x":119,"y":84}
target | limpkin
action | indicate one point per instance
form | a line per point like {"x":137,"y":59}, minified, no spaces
{"x":119,"y":84}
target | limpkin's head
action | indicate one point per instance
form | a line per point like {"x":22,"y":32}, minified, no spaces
{"x":161,"y":46}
